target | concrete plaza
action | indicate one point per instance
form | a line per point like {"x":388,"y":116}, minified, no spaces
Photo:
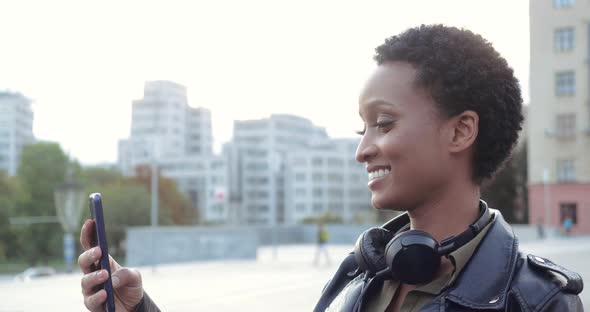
{"x":290,"y":282}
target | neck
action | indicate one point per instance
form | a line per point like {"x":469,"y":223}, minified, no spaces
{"x":448,"y":214}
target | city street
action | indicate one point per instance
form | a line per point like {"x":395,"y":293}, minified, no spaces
{"x":288,"y":283}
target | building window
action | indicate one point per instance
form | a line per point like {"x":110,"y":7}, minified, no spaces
{"x":257,"y":166}
{"x":300,"y":207}
{"x":299,"y":177}
{"x":568,"y":210}
{"x":316,"y":161}
{"x":335,"y":177}
{"x":357,"y":192}
{"x":566,"y":170}
{"x":561,"y":4}
{"x":565,"y":83}
{"x":299,"y":192}
{"x":317,"y":177}
{"x":335,"y":207}
{"x":317,"y":192}
{"x":335,"y":193}
{"x":299,"y":161}
{"x":565,"y":125}
{"x":335,"y":163}
{"x":358,"y":178}
{"x":317,"y":207}
{"x":563,"y":39}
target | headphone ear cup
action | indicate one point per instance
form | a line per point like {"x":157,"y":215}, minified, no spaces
{"x":369,"y":250}
{"x":412,"y":257}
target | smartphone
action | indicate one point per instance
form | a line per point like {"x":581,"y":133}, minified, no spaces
{"x":96,"y":213}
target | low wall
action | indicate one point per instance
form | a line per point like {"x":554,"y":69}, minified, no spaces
{"x":185,"y":244}
{"x":338,"y":234}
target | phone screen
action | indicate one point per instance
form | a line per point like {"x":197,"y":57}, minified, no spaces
{"x":96,"y":213}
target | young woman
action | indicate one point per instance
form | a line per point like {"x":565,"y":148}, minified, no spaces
{"x":441,"y":113}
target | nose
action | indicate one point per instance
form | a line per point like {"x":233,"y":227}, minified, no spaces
{"x":365,"y":151}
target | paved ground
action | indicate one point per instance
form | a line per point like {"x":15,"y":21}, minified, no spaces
{"x":288,"y":283}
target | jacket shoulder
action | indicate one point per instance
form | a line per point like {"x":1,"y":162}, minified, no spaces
{"x":541,"y":285}
{"x":347,"y":271}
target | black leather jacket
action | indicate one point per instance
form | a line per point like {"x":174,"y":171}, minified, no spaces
{"x":497,"y":278}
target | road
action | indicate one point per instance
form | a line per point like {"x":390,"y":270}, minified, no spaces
{"x":288,"y":283}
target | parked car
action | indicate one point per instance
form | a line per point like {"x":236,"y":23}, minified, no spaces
{"x":35,"y":273}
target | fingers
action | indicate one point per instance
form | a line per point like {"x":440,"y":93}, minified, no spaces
{"x":91,"y":281}
{"x":95,"y":302}
{"x":126,"y":277}
{"x":87,"y":235}
{"x":87,"y":259}
{"x":114,"y":265}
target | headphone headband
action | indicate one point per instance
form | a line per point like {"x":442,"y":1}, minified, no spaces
{"x":413,"y":256}
{"x":452,"y":243}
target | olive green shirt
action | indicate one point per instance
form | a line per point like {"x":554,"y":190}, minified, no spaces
{"x":423,"y":294}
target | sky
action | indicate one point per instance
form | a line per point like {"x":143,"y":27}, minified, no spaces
{"x":84,"y":62}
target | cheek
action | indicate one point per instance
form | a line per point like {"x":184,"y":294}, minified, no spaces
{"x":415,"y":161}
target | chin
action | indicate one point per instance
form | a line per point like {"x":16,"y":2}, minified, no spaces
{"x":390,"y":203}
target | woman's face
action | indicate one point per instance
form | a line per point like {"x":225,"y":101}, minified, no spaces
{"x":403,"y":144}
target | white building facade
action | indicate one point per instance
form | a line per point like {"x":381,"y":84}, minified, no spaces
{"x":327,"y":179}
{"x":165,"y":129}
{"x":264,"y":167}
{"x":16,"y":129}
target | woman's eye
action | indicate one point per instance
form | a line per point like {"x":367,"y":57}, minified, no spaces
{"x":384,"y":124}
{"x":362,"y":132}
{"x":381,"y":125}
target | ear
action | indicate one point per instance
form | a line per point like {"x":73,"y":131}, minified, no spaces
{"x":463,"y":131}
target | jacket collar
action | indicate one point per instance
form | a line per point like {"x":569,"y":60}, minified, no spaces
{"x":485,"y":280}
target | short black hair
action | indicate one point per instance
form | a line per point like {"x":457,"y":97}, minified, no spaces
{"x":462,"y":71}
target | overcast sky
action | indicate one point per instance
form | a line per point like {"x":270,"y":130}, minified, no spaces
{"x":83,"y":62}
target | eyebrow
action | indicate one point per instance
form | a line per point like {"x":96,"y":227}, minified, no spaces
{"x":371,"y":104}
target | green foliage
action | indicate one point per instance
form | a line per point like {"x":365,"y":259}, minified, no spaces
{"x":12,"y":195}
{"x":124,"y":204}
{"x":42,"y":168}
{"x":97,"y":176}
{"x":172,"y":202}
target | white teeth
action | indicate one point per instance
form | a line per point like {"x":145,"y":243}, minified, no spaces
{"x":378,"y":173}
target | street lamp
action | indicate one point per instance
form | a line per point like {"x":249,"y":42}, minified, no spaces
{"x":69,"y":200}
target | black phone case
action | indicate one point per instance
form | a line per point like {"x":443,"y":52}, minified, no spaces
{"x":95,"y":206}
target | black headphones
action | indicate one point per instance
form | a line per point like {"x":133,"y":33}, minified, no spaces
{"x":412,"y":257}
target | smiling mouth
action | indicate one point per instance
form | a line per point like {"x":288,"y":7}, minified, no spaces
{"x":377,"y":174}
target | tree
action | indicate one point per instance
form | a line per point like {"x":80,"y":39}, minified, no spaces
{"x":171,"y":200}
{"x":12,"y":195}
{"x":42,"y":168}
{"x":127,"y":202}
{"x":507,"y":191}
{"x":124,"y":204}
{"x":96,"y":176}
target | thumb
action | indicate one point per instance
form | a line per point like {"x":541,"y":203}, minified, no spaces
{"x":126,"y":277}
